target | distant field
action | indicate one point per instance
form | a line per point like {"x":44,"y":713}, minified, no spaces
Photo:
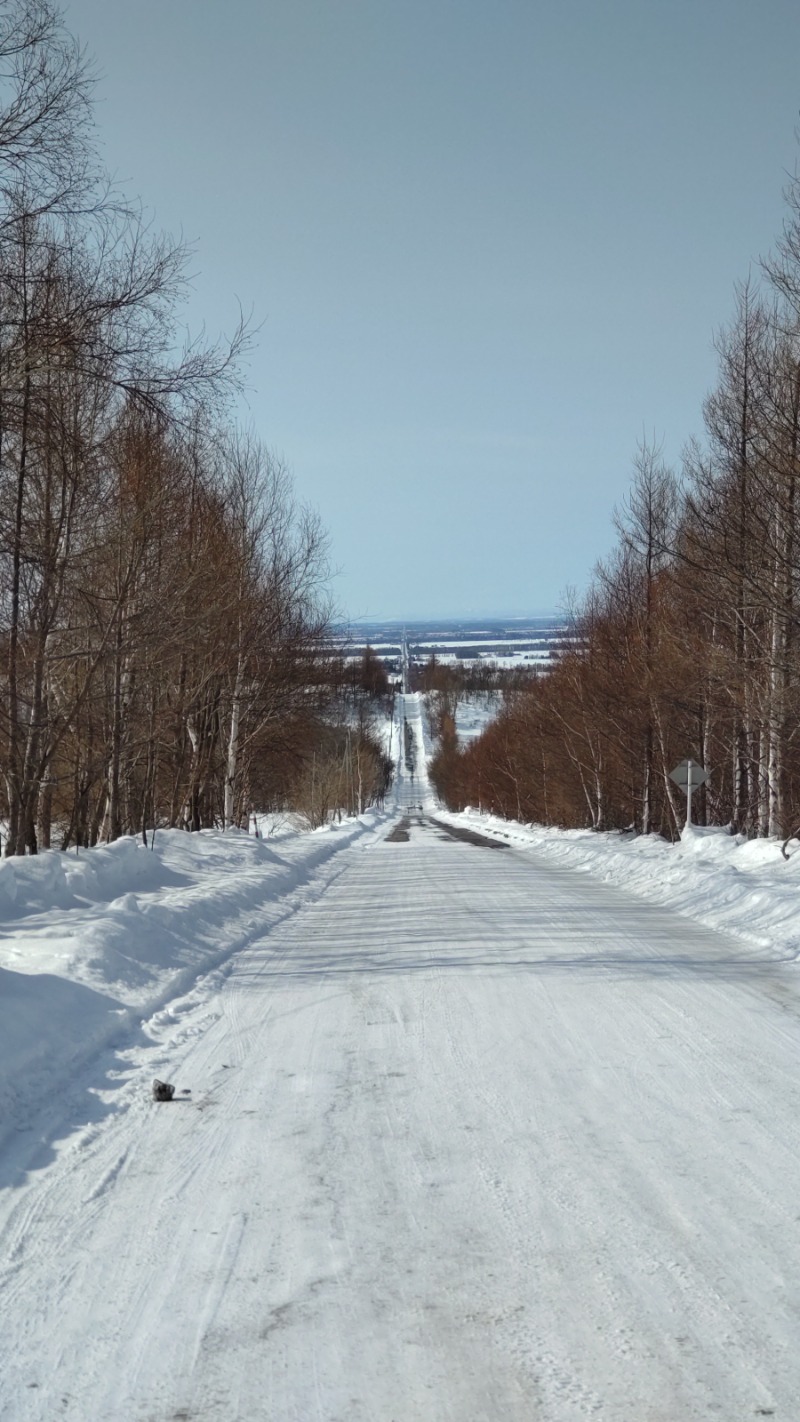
{"x":509,"y":643}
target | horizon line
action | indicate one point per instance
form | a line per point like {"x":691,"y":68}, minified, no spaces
{"x":373,"y":618}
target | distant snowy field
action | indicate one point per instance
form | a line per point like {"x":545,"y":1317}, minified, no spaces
{"x":474,"y":713}
{"x":511,"y":643}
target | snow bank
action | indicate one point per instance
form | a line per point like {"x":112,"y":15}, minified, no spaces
{"x":93,"y":943}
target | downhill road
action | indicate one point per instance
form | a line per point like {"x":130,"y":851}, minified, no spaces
{"x":470,"y":1140}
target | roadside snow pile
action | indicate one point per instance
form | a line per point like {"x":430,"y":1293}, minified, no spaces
{"x":93,"y":944}
{"x":745,"y":887}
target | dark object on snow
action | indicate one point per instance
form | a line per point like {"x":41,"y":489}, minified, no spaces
{"x":162,"y":1091}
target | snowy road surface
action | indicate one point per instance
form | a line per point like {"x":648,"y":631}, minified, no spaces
{"x":470,"y":1139}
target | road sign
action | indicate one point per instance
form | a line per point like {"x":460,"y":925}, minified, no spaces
{"x":688,"y":775}
{"x":688,"y":772}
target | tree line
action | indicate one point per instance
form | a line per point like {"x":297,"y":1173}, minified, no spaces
{"x":166,"y":633}
{"x":686,"y":643}
{"x":454,"y":681}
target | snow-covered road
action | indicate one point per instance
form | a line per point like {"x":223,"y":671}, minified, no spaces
{"x":469,"y":1137}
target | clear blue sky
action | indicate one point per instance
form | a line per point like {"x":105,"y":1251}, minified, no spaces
{"x":489,"y":245}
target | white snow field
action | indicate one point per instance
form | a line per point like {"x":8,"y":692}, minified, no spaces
{"x":469,"y":1136}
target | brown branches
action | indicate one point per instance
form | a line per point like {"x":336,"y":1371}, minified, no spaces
{"x":161,"y":591}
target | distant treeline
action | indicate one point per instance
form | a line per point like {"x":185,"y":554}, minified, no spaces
{"x":687,"y":643}
{"x":456,"y":679}
{"x":165,"y":629}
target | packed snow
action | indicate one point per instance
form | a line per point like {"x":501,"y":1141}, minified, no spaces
{"x":745,"y":887}
{"x":472,"y":1121}
{"x":97,"y":943}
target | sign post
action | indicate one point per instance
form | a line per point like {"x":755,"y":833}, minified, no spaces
{"x":690,"y":776}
